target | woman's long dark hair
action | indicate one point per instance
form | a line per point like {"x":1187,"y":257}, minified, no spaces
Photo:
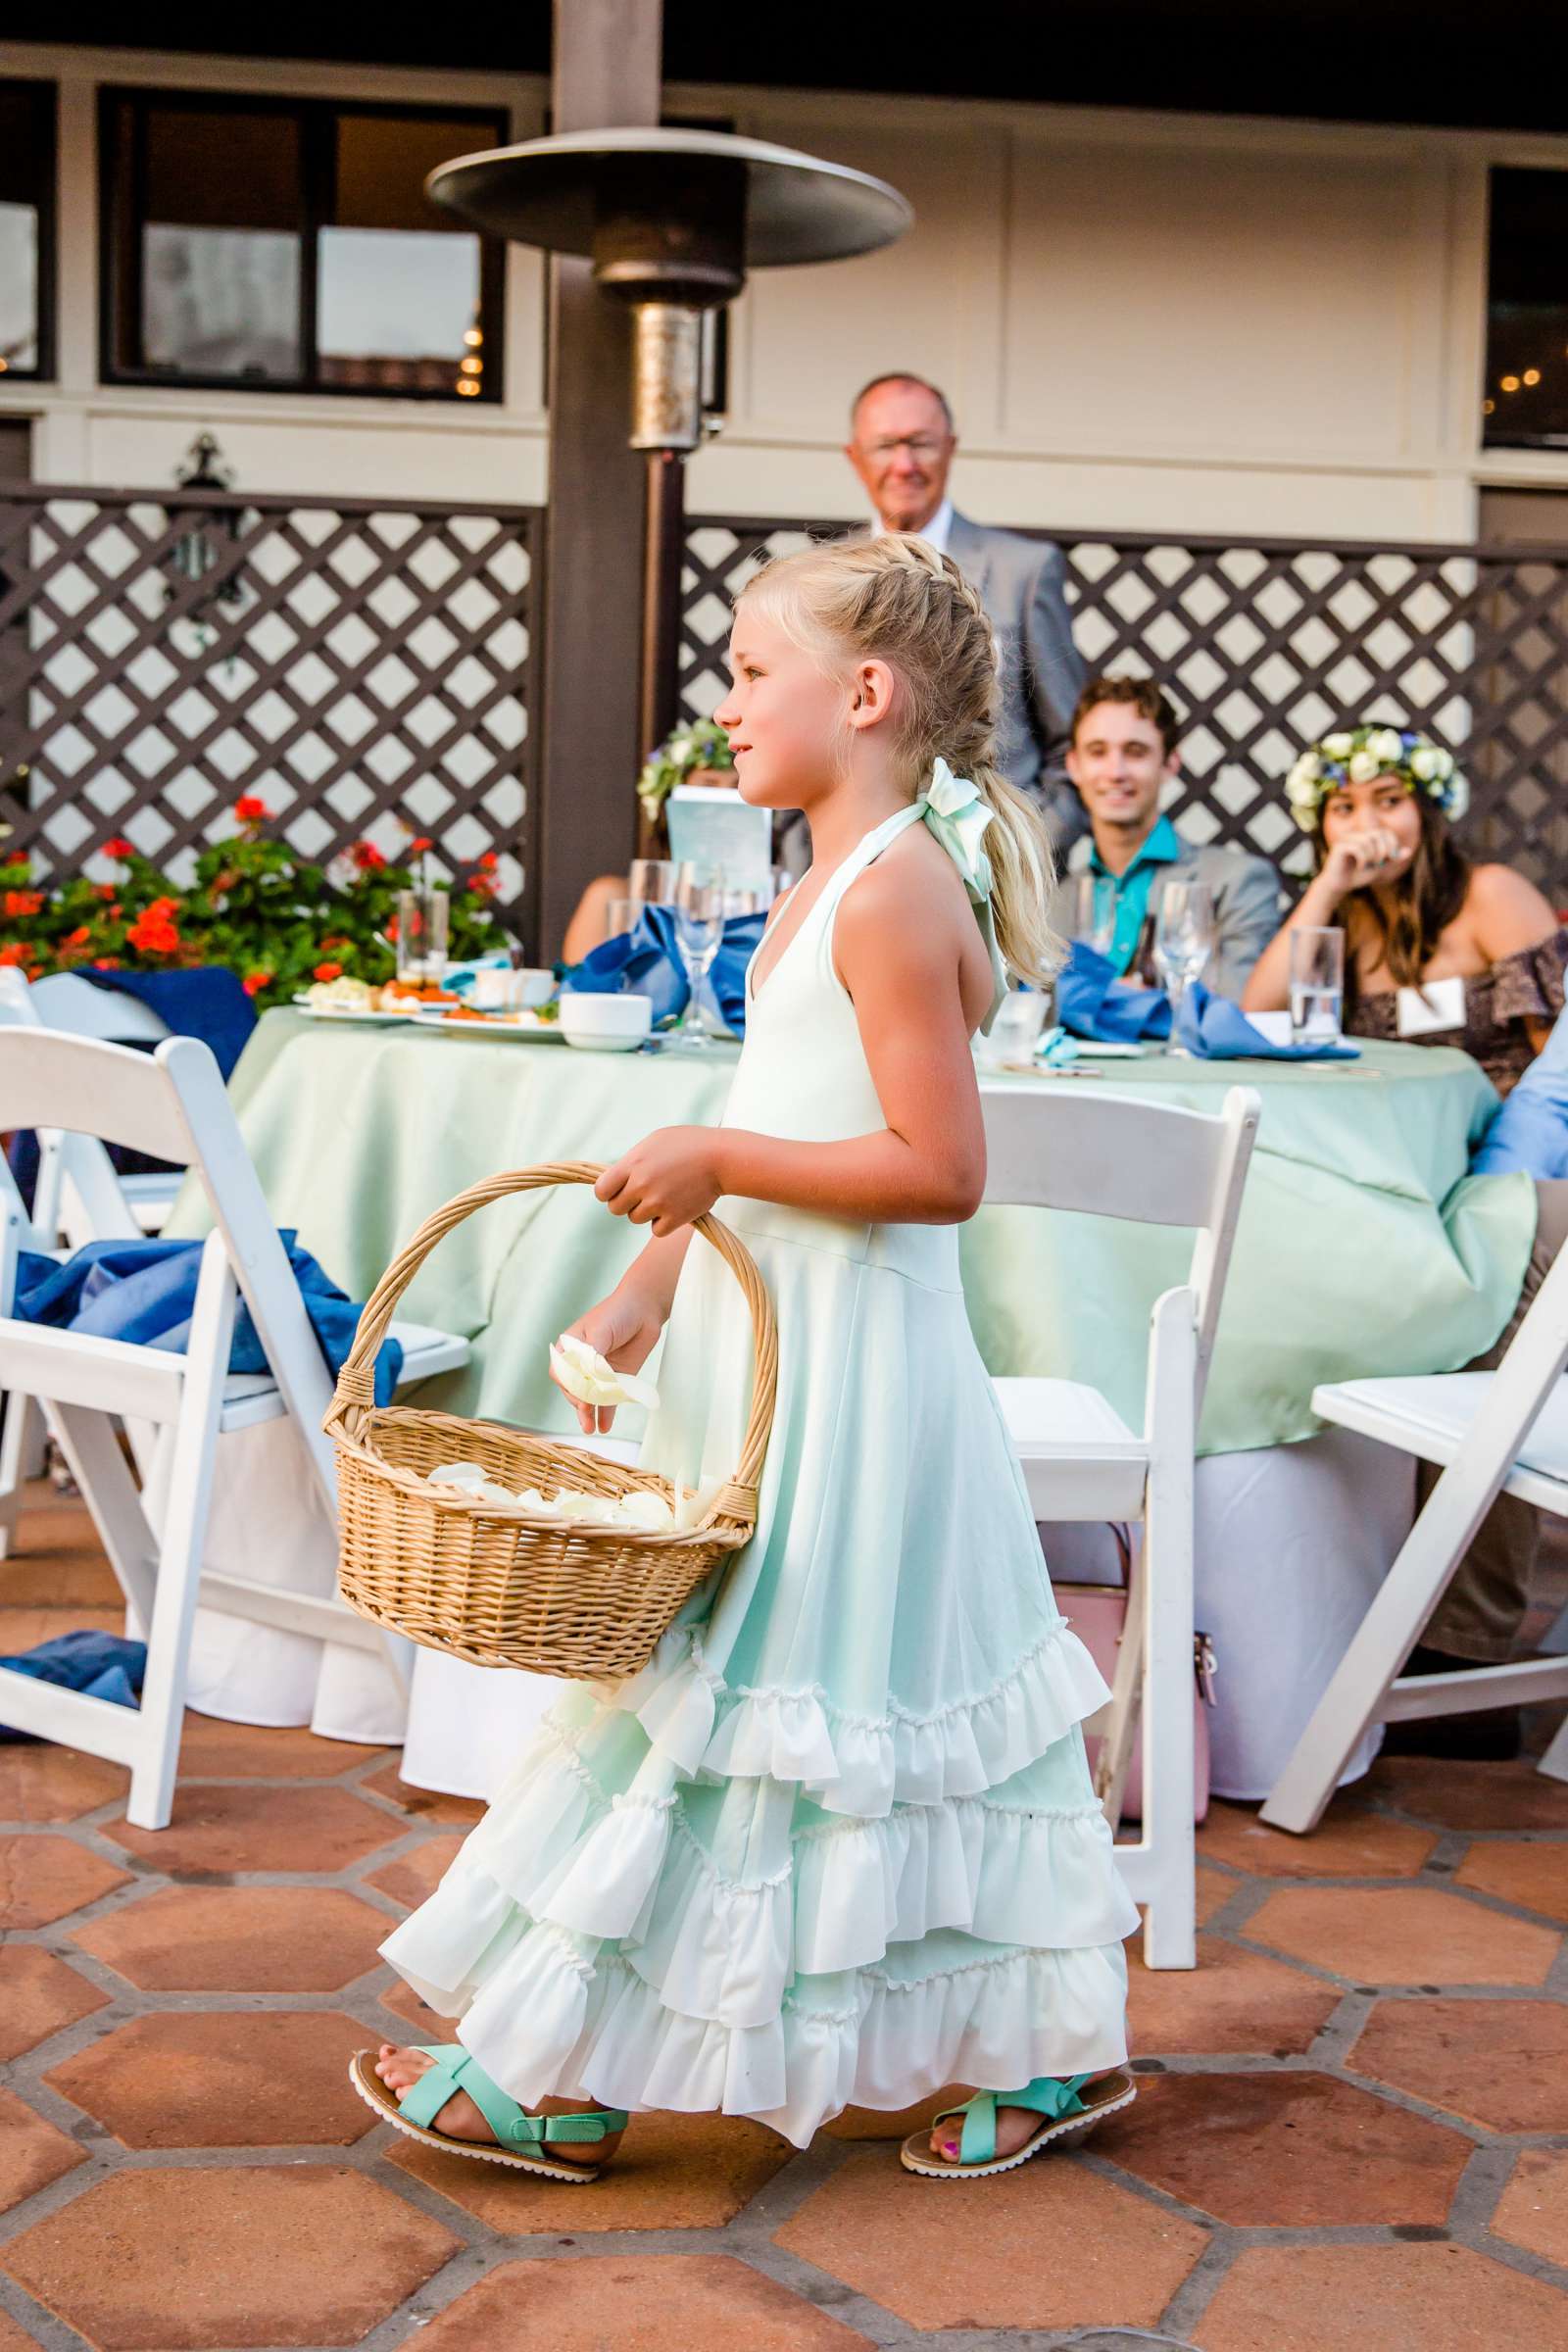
{"x":1426,"y":900}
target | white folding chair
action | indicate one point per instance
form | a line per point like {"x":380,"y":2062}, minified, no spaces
{"x":72,"y":1192}
{"x":171,"y":1104}
{"x":1114,"y":1157}
{"x":1502,"y":1431}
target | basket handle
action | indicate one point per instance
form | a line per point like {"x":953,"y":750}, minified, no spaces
{"x":353,"y":1399}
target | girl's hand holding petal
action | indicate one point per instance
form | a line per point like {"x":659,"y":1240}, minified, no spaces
{"x":666,"y":1180}
{"x":624,"y":1327}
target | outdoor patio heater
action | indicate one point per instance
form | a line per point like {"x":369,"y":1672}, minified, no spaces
{"x":672,"y":222}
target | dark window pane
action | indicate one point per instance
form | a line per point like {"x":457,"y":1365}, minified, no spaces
{"x":222,"y":167}
{"x":26,"y":213}
{"x":399,"y":297}
{"x":220,"y":243}
{"x":1526,"y":399}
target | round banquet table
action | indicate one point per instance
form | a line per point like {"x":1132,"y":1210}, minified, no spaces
{"x":1363,"y":1248}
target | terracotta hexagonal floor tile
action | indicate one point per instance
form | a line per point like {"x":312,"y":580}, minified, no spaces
{"x":26,"y":1629}
{"x":1532,"y":2210}
{"x":652,"y":2302}
{"x":408,"y":2010}
{"x":414,"y":1876}
{"x":1471,"y":1797}
{"x":55,"y":1783}
{"x":1504,"y":2064}
{"x":310,"y":2254}
{"x":238,"y":1829}
{"x":1535,"y":1876}
{"x":1423,"y":2298}
{"x":33,"y":2153}
{"x":424,"y":1805}
{"x":1233,"y":2000}
{"x":39,"y":1995}
{"x":211,"y":1749}
{"x":1403,"y":1935}
{"x":1214,"y":1888}
{"x":672,"y":2172}
{"x":949,"y":2257}
{"x":239,"y":1939}
{"x":1350,"y":1843}
{"x":43,"y":1879}
{"x":221,"y":2078}
{"x":14,"y":2338}
{"x":1287,"y":2150}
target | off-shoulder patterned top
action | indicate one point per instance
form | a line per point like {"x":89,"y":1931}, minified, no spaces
{"x":1498,"y":1002}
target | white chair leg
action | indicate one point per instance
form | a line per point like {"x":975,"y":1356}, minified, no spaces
{"x":1555,"y":1763}
{"x":1170,"y":1931}
{"x":90,"y":1444}
{"x":174,"y":1610}
{"x":21,"y":1458}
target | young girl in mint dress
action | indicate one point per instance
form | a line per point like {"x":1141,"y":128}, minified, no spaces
{"x":837,"y":1843}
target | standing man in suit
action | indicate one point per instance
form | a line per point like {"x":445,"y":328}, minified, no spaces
{"x":901,"y":444}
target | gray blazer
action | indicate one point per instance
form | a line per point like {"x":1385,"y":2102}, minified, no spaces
{"x":1248,"y":906}
{"x":1021,"y":584}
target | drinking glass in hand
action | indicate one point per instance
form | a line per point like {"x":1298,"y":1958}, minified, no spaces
{"x":1095,"y":913}
{"x":699,"y":911}
{"x":1317,"y":985}
{"x":1184,"y":940}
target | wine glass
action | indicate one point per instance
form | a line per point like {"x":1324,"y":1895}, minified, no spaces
{"x":650,"y":882}
{"x":699,"y":910}
{"x":1095,"y":913}
{"x":1184,"y":940}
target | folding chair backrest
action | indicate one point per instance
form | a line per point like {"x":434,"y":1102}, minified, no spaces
{"x":1146,"y":1163}
{"x":171,"y":1104}
{"x":64,"y":1001}
{"x":1534,"y":1363}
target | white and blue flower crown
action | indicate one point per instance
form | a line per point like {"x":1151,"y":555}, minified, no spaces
{"x":1355,"y":754}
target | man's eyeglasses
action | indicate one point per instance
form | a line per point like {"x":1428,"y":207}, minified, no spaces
{"x":923,"y":447}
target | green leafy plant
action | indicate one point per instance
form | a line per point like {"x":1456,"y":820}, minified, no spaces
{"x":252,"y":904}
{"x":687,"y":753}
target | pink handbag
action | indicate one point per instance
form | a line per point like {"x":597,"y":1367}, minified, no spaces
{"x":1099,"y":1613}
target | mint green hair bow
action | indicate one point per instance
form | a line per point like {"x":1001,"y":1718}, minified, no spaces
{"x":957,"y":813}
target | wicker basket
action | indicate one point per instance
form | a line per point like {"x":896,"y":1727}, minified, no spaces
{"x":494,"y":1584}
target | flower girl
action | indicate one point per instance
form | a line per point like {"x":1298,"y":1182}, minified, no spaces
{"x":837,"y":1841}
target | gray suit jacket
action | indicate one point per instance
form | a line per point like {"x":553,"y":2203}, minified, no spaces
{"x":1248,"y":906}
{"x":1021,"y":586}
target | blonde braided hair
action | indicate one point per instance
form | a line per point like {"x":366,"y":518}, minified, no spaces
{"x":894,"y":599}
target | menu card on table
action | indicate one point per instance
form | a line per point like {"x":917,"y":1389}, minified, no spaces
{"x":710,"y":825}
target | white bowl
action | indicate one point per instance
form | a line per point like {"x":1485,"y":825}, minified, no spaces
{"x":496,"y":989}
{"x":603,"y":1024}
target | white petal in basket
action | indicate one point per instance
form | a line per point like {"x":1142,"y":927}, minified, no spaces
{"x":585,"y":1375}
{"x":467,"y":1477}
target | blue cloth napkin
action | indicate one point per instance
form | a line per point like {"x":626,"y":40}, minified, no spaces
{"x":646,"y":961}
{"x":145,"y":1291}
{"x":1092,"y":1003}
{"x":101,"y":1665}
{"x":208,"y":1002}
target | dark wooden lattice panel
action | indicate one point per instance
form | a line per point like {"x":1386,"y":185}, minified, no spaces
{"x":1266,"y":645}
{"x":363,"y":667}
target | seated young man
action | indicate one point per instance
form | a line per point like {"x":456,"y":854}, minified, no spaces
{"x":1121,"y":752}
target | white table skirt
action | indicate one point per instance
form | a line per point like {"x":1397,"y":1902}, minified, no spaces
{"x":1292,"y":1543}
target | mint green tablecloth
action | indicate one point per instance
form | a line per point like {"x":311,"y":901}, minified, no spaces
{"x":1363,"y":1248}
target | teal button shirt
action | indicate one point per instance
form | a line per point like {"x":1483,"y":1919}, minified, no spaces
{"x":1132,"y":887}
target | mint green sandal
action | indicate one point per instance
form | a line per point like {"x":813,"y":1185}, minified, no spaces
{"x":521,"y":2137}
{"x":1069,"y":2108}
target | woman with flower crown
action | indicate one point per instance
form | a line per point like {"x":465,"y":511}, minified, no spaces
{"x":1379,"y":803}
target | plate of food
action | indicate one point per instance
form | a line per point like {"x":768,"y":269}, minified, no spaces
{"x":539,"y":1024}
{"x":349,"y":1000}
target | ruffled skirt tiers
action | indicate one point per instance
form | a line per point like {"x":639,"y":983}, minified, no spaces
{"x":837,"y":1843}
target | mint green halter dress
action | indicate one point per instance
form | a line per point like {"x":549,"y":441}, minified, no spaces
{"x":837,"y":1843}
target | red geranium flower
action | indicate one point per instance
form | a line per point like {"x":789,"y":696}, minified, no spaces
{"x":254,"y":982}
{"x":367,"y":858}
{"x":250,"y":810}
{"x":329,"y":971}
{"x":21,"y":903}
{"x":489,"y":858}
{"x":105,"y":890}
{"x":164,"y":909}
{"x":154,"y":935}
{"x":418,"y":845}
{"x":13,"y":952}
{"x":17,"y":858}
{"x":79,"y":937}
{"x":392,"y":930}
{"x":120,"y":847}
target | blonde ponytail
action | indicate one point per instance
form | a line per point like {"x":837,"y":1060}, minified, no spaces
{"x":895,"y":599}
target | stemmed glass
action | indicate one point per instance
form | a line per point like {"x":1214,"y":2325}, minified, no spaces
{"x":701,"y":907}
{"x":1184,"y":940}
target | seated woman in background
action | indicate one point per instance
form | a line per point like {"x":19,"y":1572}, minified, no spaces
{"x":1379,"y":803}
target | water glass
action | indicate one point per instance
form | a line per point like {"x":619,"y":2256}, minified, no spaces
{"x":650,"y":882}
{"x":621,"y":917}
{"x":1016,"y":1031}
{"x":1095,"y":912}
{"x":700,"y":913}
{"x":1184,"y":940}
{"x":1317,"y":985}
{"x":422,"y":919}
